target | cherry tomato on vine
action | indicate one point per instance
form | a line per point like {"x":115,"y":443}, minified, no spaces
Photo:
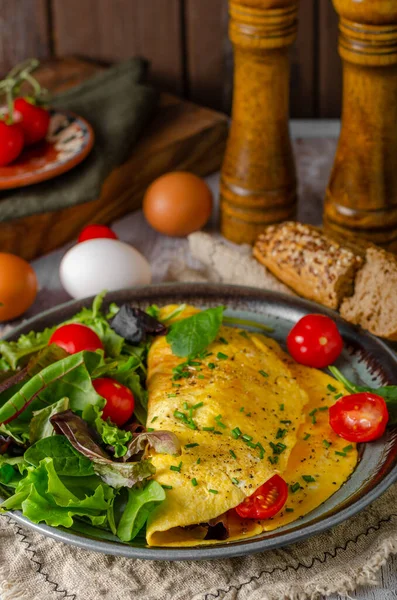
{"x":315,"y":341}
{"x":34,"y":120}
{"x":266,"y":502}
{"x":11,"y":142}
{"x":359,"y":417}
{"x":120,"y":401}
{"x":75,"y":338}
{"x":92,"y":232}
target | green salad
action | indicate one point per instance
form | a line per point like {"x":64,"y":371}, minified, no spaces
{"x":62,"y":462}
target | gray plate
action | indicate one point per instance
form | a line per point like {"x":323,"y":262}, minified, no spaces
{"x":364,"y":359}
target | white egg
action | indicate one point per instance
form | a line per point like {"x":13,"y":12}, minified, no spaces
{"x":102,"y":264}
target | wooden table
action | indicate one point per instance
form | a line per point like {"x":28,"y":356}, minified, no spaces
{"x":314,"y":160}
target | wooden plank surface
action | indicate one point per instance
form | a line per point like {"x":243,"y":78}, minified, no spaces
{"x":329,"y":63}
{"x":111,"y":30}
{"x":23,"y":31}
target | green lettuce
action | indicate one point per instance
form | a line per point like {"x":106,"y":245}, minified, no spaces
{"x":113,"y":436}
{"x":67,"y":461}
{"x":40,"y":426}
{"x":140,"y":503}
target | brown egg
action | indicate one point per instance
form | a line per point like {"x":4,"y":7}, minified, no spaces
{"x":178,"y":203}
{"x":18,"y":286}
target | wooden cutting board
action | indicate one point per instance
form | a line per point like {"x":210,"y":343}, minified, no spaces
{"x":182,"y":136}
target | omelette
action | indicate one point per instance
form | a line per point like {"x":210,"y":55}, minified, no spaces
{"x":245,"y":412}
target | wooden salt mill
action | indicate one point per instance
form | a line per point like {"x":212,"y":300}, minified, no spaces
{"x":361,"y":197}
{"x":258,"y":182}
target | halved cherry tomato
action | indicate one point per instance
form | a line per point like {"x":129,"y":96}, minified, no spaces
{"x":120,"y":401}
{"x":266,"y":502}
{"x":11,"y":142}
{"x":75,"y":338}
{"x":34,"y":122}
{"x":359,"y":417}
{"x":315,"y":341}
{"x":92,"y":232}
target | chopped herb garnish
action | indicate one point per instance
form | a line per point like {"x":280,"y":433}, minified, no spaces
{"x":286,"y":422}
{"x":171,"y":395}
{"x":176,"y":385}
{"x":198,"y":461}
{"x":331,"y":388}
{"x":246,"y":437}
{"x":312,"y":414}
{"x":233,"y":454}
{"x":186,"y":421}
{"x":166,"y":487}
{"x":273,"y":459}
{"x":154,"y":419}
{"x":247,"y":414}
{"x":281,"y":406}
{"x":213,"y":491}
{"x":278,"y":448}
{"x":308,"y":478}
{"x":185,"y":406}
{"x":338,"y":396}
{"x":219,"y":422}
{"x":322,"y":408}
{"x":289,"y":510}
{"x":341,"y":453}
{"x":242,"y":409}
{"x":191,"y":445}
{"x":208,"y":428}
{"x":222,"y":356}
{"x":149,"y":428}
{"x":200,"y":377}
{"x":244,"y":334}
{"x":222,"y":339}
{"x":177,"y":469}
{"x":263,"y":373}
{"x":235,"y":481}
{"x":280,"y":434}
{"x":295,"y":487}
{"x":236,"y":432}
{"x":348,"y":448}
{"x":217,"y":432}
{"x":194,"y":482}
{"x":306,"y":436}
{"x":261,"y":450}
{"x":198,"y":405}
{"x":327,"y":444}
{"x":211,"y":365}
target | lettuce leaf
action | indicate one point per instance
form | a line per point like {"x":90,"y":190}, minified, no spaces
{"x":113,"y":436}
{"x":67,"y":461}
{"x":13,"y":354}
{"x":163,"y":442}
{"x":141,"y":502}
{"x":40,"y":426}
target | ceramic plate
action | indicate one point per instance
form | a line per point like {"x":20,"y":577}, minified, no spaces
{"x":69,"y":140}
{"x":365,"y":359}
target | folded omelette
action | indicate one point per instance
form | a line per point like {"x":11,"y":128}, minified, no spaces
{"x":245,"y":412}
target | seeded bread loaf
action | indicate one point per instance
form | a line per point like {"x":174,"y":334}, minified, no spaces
{"x":312,"y":264}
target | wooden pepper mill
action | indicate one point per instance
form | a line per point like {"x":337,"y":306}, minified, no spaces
{"x":258,"y":182}
{"x":361,"y":197}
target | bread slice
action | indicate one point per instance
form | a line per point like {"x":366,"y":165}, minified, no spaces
{"x":313,"y":264}
{"x":374,"y":302}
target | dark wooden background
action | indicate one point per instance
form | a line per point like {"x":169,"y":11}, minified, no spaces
{"x":185,"y":40}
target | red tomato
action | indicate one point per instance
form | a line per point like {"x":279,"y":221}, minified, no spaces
{"x":11,"y":142}
{"x":120,"y":401}
{"x":315,"y":341}
{"x":34,"y":122}
{"x":359,"y":417}
{"x":266,"y":502}
{"x":92,"y":232}
{"x":75,"y":338}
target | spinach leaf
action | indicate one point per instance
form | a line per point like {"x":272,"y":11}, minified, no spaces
{"x":69,"y":377}
{"x":66,"y":460}
{"x":194,"y":334}
{"x":83,"y":439}
{"x":141,"y":502}
{"x":388,"y":392}
{"x":40,"y":426}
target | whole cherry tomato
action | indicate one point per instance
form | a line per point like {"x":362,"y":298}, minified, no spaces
{"x":11,"y":142}
{"x":92,"y":232}
{"x":120,"y":401}
{"x":34,"y":120}
{"x":266,"y":501}
{"x":359,"y":417}
{"x":315,"y":341}
{"x":75,"y":338}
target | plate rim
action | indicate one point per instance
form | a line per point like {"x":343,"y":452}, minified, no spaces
{"x":17,"y":181}
{"x":243,"y":547}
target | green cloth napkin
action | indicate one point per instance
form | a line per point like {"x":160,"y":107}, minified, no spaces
{"x":118,"y":106}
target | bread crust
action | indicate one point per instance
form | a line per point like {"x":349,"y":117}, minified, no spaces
{"x":313,"y":264}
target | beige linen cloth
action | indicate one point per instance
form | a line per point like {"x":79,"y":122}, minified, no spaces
{"x":33,"y":567}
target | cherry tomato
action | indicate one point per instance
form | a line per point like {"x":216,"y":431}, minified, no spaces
{"x":75,"y":338}
{"x":120,"y":401}
{"x":11,"y":142}
{"x":359,"y":417}
{"x":315,"y":341}
{"x":266,"y":502}
{"x":91,"y":232}
{"x":34,"y":120}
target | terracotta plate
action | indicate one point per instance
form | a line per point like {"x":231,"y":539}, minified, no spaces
{"x":69,"y":140}
{"x":364,"y":358}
